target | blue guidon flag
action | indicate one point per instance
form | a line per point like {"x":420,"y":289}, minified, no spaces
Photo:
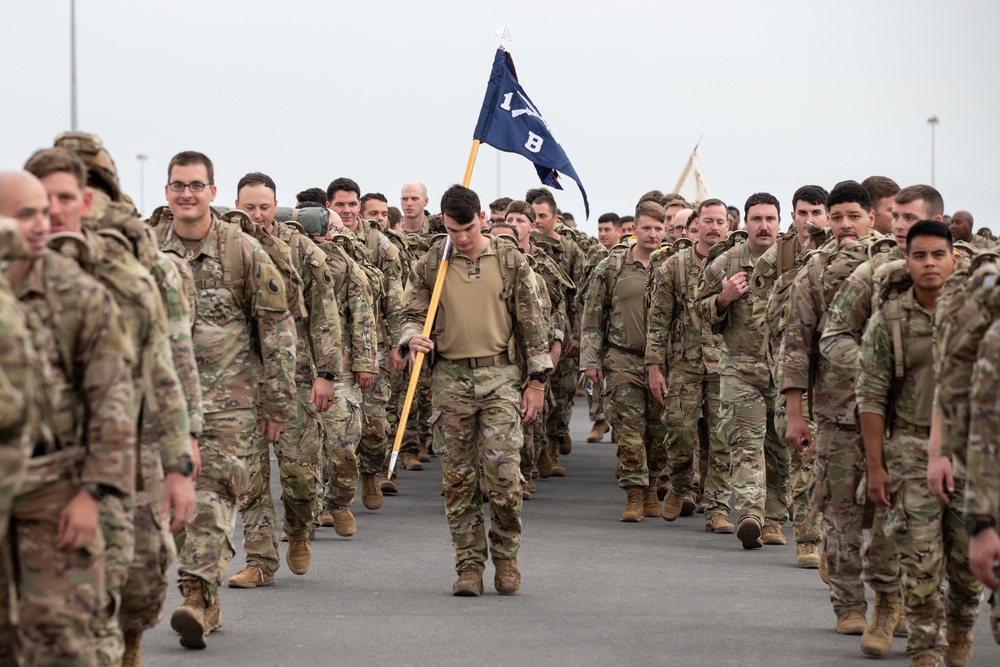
{"x":510,"y":122}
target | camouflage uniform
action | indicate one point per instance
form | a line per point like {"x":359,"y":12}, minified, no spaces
{"x":982,"y":493}
{"x":476,"y":417}
{"x":550,"y":319}
{"x":91,"y":357}
{"x":929,"y":535}
{"x":358,"y":336}
{"x":613,"y":322}
{"x":840,"y":458}
{"x":418,"y":428}
{"x":683,"y":344}
{"x":749,"y":398}
{"x":241,"y":375}
{"x":595,"y":395}
{"x":299,"y":448}
{"x":159,"y":400}
{"x":806,"y":520}
{"x":384,"y":256}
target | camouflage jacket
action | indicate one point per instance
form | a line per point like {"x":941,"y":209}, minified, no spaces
{"x":677,"y":336}
{"x":176,"y":283}
{"x":91,"y":356}
{"x":318,"y":335}
{"x":614,"y":314}
{"x":559,"y":289}
{"x":358,"y":335}
{"x":800,"y":365}
{"x":742,"y":341}
{"x":982,"y":491}
{"x":385,"y":257}
{"x":526,"y":317}
{"x":242,"y":346}
{"x":879,"y":388}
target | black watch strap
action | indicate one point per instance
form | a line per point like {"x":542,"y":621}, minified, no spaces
{"x":539,"y":377}
{"x":324,"y":375}
{"x":977,"y":525}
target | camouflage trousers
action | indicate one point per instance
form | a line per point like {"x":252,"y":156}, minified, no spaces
{"x":372,"y":454}
{"x":341,"y":435}
{"x":806,"y":521}
{"x":418,"y":429}
{"x":935,"y":543}
{"x":760,"y":458}
{"x":535,"y":439}
{"x":637,"y":418}
{"x":205,"y":544}
{"x":145,"y":589}
{"x":850,"y":560}
{"x":563,"y":382}
{"x":58,"y":592}
{"x":476,"y":424}
{"x":691,"y":397}
{"x":13,"y":462}
{"x":298,"y":453}
{"x":595,"y":402}
{"x":118,"y":526}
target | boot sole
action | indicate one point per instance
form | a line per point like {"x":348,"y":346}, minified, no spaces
{"x":389,"y":490}
{"x":558,"y":472}
{"x":749,"y":534}
{"x":370,"y":505}
{"x":630,"y":519}
{"x":876,"y":651}
{"x":466,"y":591}
{"x":688,"y":507}
{"x":238,"y":584}
{"x":810,"y":563}
{"x":669,"y":518}
{"x":414,"y":466}
{"x":192,"y":634}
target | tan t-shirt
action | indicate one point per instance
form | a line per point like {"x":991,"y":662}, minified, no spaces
{"x":472,"y":319}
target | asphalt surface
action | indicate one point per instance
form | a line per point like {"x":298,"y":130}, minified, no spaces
{"x":594,"y":591}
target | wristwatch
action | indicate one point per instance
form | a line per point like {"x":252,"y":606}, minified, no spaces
{"x":96,"y":491}
{"x":184,"y":466}
{"x":541,"y":378}
{"x":324,"y":375}
{"x":975,"y":525}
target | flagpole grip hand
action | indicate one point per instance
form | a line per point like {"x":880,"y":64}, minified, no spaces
{"x":420,"y":343}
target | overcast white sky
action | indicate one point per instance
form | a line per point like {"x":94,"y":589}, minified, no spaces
{"x":785,"y":93}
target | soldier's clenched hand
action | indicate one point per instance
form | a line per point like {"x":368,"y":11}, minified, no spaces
{"x":595,"y":375}
{"x":657,"y":384}
{"x":531,"y":403}
{"x":78,"y":522}
{"x":732,"y":289}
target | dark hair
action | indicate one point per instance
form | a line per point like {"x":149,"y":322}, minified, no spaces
{"x":848,"y":192}
{"x":534,"y":193}
{"x":310,"y":204}
{"x":932,"y":198}
{"x":504,"y":225}
{"x":311,"y":194}
{"x":879,"y":187}
{"x":759,"y":198}
{"x":929,"y":228}
{"x":342,"y":185}
{"x":568,"y":216}
{"x":377,"y":196}
{"x":460,"y":204}
{"x":712,"y":202}
{"x":48,"y":161}
{"x":520,"y":206}
{"x":544,"y":199}
{"x":734,"y":210}
{"x":188,"y":158}
{"x":811,"y":194}
{"x":257,"y":178}
{"x":500,"y":205}
{"x":395,"y":215}
{"x":612,"y":218}
{"x":628,"y":218}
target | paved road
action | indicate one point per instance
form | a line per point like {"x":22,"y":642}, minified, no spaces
{"x":595,"y":592}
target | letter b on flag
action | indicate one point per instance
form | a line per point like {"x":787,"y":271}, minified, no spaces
{"x":534,"y":142}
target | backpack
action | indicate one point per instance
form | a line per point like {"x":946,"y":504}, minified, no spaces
{"x":353,"y":248}
{"x":403,"y":245}
{"x":731,"y":241}
{"x":830,"y":267}
{"x":559,"y":285}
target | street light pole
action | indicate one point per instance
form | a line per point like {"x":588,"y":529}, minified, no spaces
{"x":142,"y":157}
{"x":72,"y":65}
{"x":933,"y":122}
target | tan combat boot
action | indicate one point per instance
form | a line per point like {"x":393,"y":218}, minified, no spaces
{"x":926,"y":659}
{"x":557,"y":470}
{"x":423,"y":455}
{"x":671,"y":508}
{"x":566,"y":445}
{"x":326,"y":519}
{"x":469,"y":584}
{"x":597,"y":432}
{"x":344,"y":523}
{"x":748,"y":532}
{"x":959,"y":651}
{"x":719,"y":524}
{"x":507,"y":579}
{"x":299,"y":555}
{"x":902,"y":629}
{"x":772,"y":535}
{"x":544,"y":464}
{"x":806,"y":555}
{"x":689,"y":503}
{"x":133,"y":649}
{"x":650,"y":504}
{"x":531,"y":486}
{"x":877,"y":637}
{"x":411,"y":462}
{"x":633,"y":505}
{"x":371,"y":492}
{"x":250,"y":577}
{"x":852,"y":622}
{"x":213,"y":614}
{"x":386,"y":486}
{"x":188,"y":620}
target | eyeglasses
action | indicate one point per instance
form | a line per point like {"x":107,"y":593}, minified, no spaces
{"x":177,"y":186}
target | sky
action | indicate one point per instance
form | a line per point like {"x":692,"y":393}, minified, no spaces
{"x":784,"y":93}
